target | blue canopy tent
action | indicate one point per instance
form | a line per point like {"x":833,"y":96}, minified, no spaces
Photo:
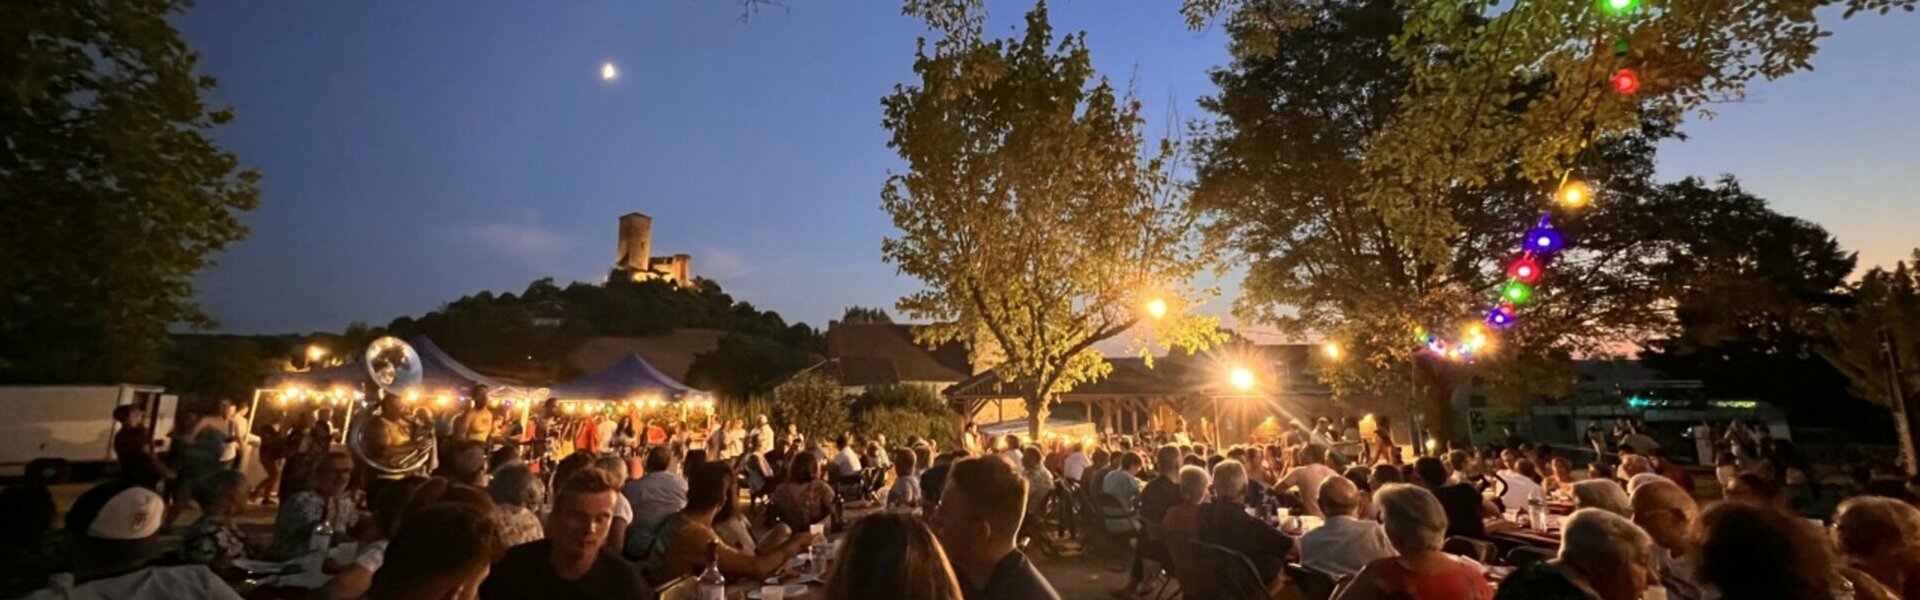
{"x":631,"y":378}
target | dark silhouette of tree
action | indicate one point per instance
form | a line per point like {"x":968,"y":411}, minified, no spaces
{"x":113,"y":188}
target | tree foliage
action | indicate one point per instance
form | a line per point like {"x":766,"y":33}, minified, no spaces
{"x":1751,"y":312}
{"x":861,"y":315}
{"x":813,"y":403}
{"x":205,"y":369}
{"x":742,"y":365}
{"x":531,"y":335}
{"x":903,"y":410}
{"x":1283,"y":172}
{"x":113,"y":189}
{"x":1884,"y":315}
{"x":1029,"y":211}
{"x":1497,"y":89}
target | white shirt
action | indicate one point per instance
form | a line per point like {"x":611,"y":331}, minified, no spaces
{"x":766,"y":437}
{"x":603,"y":434}
{"x":905,"y":494}
{"x":623,"y":508}
{"x":1018,"y":457}
{"x":1519,"y":489}
{"x":154,"y":583}
{"x":1308,"y":479}
{"x":846,"y":463}
{"x":1076,"y":466}
{"x":1344,"y":545}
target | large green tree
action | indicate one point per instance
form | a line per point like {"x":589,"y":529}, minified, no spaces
{"x":1030,"y":213}
{"x":1876,"y":343}
{"x":113,"y":191}
{"x":1283,"y":171}
{"x":743,"y":365}
{"x":1751,"y":316}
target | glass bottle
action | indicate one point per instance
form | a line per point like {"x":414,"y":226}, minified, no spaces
{"x":713,"y":585}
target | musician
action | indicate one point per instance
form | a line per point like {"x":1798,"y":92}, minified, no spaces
{"x":393,"y":437}
{"x":478,"y":424}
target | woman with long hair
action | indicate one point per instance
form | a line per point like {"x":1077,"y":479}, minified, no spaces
{"x":891,"y":555}
{"x":805,"y":498}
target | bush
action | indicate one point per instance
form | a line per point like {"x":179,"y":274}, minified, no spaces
{"x":814,"y":404}
{"x":899,"y":411}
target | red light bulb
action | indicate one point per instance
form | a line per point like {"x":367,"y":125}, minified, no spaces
{"x":1524,"y":270}
{"x":1625,"y":81}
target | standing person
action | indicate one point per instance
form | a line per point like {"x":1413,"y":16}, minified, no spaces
{"x":113,"y":527}
{"x":1076,"y":464}
{"x":444,"y":556}
{"x":133,"y":447}
{"x":765,"y":433}
{"x":1308,"y":477}
{"x":970,"y":439}
{"x":573,"y":561}
{"x":198,"y":450}
{"x":477,"y":423}
{"x":276,"y":442}
{"x":978,"y":520}
{"x":1384,"y":450}
{"x":326,"y":499}
{"x":736,"y":438}
{"x":240,"y":431}
{"x":1416,"y":525}
{"x":892,"y":556}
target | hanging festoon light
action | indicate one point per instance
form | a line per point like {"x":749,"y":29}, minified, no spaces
{"x":1500,"y":316}
{"x":1625,"y":81}
{"x":1544,"y":239}
{"x":1525,"y":270}
{"x":1575,"y":194}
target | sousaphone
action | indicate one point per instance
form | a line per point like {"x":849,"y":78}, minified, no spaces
{"x":395,"y":367}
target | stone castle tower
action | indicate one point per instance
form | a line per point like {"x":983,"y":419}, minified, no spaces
{"x":634,"y":258}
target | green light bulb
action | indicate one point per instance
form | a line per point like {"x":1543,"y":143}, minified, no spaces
{"x":1621,"y":6}
{"x":1516,"y":292}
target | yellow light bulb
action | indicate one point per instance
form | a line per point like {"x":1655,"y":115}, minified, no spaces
{"x":1157,"y":308}
{"x":1575,"y":194}
{"x":1241,"y":378}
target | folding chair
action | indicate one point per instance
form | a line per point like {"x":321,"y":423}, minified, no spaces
{"x":1314,"y":585}
{"x":1479,"y":550}
{"x":1235,"y":576}
{"x":1521,"y":556}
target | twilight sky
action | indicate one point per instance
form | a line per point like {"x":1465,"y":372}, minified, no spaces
{"x":415,"y":152}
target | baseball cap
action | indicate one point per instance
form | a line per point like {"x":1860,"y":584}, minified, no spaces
{"x":117,"y":510}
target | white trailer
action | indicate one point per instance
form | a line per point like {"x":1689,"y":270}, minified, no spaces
{"x":58,"y":432}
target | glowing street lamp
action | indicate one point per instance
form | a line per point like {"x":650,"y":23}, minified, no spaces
{"x":608,"y":72}
{"x":1157,"y":308}
{"x":1241,"y":378}
{"x":1332,"y":350}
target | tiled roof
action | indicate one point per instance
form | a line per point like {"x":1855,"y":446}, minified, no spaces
{"x":858,"y":346}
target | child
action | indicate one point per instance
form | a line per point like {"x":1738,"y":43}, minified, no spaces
{"x":904,"y":496}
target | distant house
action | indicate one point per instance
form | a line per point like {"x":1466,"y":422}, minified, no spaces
{"x":862,"y":355}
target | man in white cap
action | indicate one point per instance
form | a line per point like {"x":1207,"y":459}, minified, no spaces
{"x":113,"y":528}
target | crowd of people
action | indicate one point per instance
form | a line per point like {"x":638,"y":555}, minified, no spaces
{"x":922,"y":519}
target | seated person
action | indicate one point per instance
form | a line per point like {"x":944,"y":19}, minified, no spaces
{"x":215,"y":540}
{"x":572,"y":562}
{"x":1346,"y":543}
{"x":1416,"y":525}
{"x":685,"y":550}
{"x":1224,"y":521}
{"x":804,"y":499}
{"x":112,"y":527}
{"x":326,"y":499}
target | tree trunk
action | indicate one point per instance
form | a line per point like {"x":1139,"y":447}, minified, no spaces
{"x":1037,"y":416}
{"x":1434,"y":391}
